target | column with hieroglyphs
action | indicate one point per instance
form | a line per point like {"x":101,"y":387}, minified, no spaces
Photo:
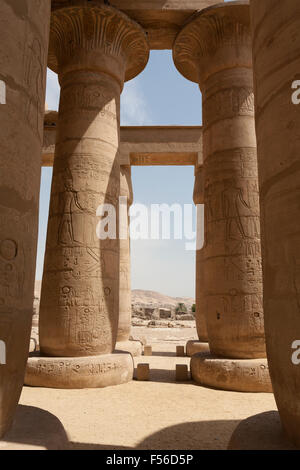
{"x":24,"y":35}
{"x":214,"y":50}
{"x":124,"y":343}
{"x":276,"y":66}
{"x":94,"y":49}
{"x":201,"y":345}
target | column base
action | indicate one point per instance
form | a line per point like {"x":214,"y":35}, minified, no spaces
{"x":194,"y":346}
{"x":79,"y":372}
{"x":240,"y":375}
{"x":135,"y":348}
{"x":260,"y":432}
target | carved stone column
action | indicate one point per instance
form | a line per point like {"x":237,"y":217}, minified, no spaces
{"x":276,"y":63}
{"x":24,"y":33}
{"x":193,"y":347}
{"x":94,"y":49}
{"x":214,"y":50}
{"x":123,"y":337}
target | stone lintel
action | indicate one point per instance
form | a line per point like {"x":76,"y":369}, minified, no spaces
{"x":161,"y":19}
{"x":142,"y":146}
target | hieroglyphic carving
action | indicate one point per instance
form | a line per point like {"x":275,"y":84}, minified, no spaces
{"x":214,"y":50}
{"x":23,"y":52}
{"x":124,"y":326}
{"x":228,"y":103}
{"x":11,"y":277}
{"x":34,"y":77}
{"x":79,"y":301}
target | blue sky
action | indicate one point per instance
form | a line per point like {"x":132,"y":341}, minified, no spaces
{"x":158,"y":96}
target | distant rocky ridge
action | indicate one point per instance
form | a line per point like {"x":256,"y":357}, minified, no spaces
{"x":148,"y":298}
{"x":140,"y":299}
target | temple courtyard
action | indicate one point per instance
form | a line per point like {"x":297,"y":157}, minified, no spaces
{"x":158,"y":414}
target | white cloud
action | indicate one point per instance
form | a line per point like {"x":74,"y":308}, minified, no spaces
{"x":134,"y":110}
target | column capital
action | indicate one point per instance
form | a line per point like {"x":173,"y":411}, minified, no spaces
{"x":98,"y":38}
{"x":216,"y":39}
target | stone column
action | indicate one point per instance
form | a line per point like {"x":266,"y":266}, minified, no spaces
{"x":124,"y":328}
{"x":94,"y":49}
{"x":276,"y":63}
{"x":24,"y":33}
{"x":193,"y":347}
{"x":214,"y":50}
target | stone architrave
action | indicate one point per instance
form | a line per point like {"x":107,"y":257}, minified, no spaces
{"x":94,"y":48}
{"x":276,"y":66}
{"x":24,"y":35}
{"x":214,"y":49}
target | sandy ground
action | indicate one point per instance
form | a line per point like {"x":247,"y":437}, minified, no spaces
{"x":159,"y":414}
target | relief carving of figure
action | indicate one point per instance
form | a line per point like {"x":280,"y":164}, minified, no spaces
{"x":233,"y":203}
{"x":34,"y":82}
{"x":69,"y":201}
{"x":11,"y":280}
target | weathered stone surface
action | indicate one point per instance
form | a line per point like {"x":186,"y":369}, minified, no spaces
{"x":81,"y":372}
{"x":165,"y":313}
{"x":135,"y":348}
{"x":24,"y":29}
{"x":194,"y":347}
{"x":124,"y":325}
{"x":180,"y":351}
{"x":147,"y":350}
{"x":181,"y":373}
{"x":214,"y":49}
{"x":93,"y":49}
{"x":200,"y":298}
{"x":198,"y":197}
{"x":143,"y":372}
{"x":276,"y":61}
{"x":240,"y":375}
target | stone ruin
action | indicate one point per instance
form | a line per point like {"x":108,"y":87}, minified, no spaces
{"x":246,"y":159}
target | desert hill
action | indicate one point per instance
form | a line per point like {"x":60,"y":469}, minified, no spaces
{"x":148,"y":298}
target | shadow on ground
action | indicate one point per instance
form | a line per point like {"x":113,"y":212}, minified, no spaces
{"x":260,"y":432}
{"x":35,"y":428}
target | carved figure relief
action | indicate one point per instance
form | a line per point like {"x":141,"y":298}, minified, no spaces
{"x":69,"y":201}
{"x":11,"y":271}
{"x":233,"y":202}
{"x":34,"y":82}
